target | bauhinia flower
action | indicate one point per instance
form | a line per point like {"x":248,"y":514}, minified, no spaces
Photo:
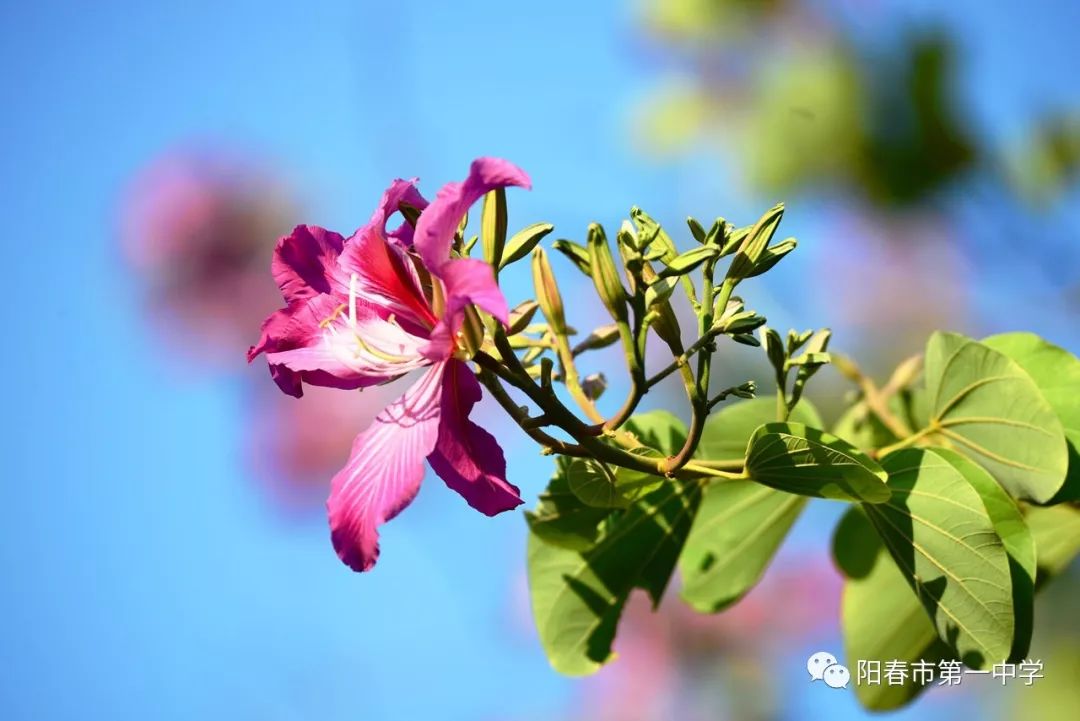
{"x":370,"y":308}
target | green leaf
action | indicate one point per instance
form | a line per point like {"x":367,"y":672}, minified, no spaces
{"x":882,"y":619}
{"x":727,"y":432}
{"x":983,"y":403}
{"x":594,"y":484}
{"x":771,"y":256}
{"x":686,"y":262}
{"x":561,"y":518}
{"x":738,"y":530}
{"x":659,"y":291}
{"x":578,"y":254}
{"x":795,"y":458}
{"x":1056,"y":530}
{"x":938,"y":531}
{"x":521,"y":316}
{"x":493,"y":226}
{"x":1057,"y":374}
{"x":1015,"y":535}
{"x":577,"y":597}
{"x":632,"y":485}
{"x":523,"y":241}
{"x":740,"y":524}
{"x":658,"y":429}
{"x":600,"y":486}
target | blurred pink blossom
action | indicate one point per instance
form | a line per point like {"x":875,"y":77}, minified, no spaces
{"x":197,"y":226}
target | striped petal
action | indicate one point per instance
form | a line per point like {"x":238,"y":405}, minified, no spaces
{"x":384,"y":471}
{"x":437,"y":225}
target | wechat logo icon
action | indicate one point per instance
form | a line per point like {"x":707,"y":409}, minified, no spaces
{"x":823,"y":667}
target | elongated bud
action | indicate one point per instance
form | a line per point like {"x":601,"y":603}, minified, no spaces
{"x":666,"y":324}
{"x":493,"y":226}
{"x":754,"y":244}
{"x":716,"y":234}
{"x":696,"y":229}
{"x":631,"y":257}
{"x":774,"y":348}
{"x":547,"y":292}
{"x":604,"y":274}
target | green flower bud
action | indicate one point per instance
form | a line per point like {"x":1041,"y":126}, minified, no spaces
{"x":493,"y":226}
{"x":754,"y":244}
{"x":547,"y":292}
{"x":604,"y":274}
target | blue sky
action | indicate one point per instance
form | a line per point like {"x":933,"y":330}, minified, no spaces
{"x":143,"y":576}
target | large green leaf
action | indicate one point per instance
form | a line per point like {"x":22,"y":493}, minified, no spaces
{"x":658,"y":429}
{"x":1057,"y":538}
{"x":1056,"y":372}
{"x":941,"y":536}
{"x":561,"y":518}
{"x":577,"y":597}
{"x":986,"y":405}
{"x":795,"y":458}
{"x":728,"y":431}
{"x":594,"y":483}
{"x":740,"y":524}
{"x":881,"y":618}
{"x":1015,"y":535}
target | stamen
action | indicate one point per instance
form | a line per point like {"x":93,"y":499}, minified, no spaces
{"x":352,"y":299}
{"x":333,"y":316}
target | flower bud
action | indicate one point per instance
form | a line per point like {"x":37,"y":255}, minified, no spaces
{"x":594,"y":385}
{"x":547,"y":292}
{"x":605,"y":276}
{"x":493,"y":226}
{"x":754,"y":244}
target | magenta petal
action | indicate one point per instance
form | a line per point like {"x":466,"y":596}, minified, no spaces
{"x":296,"y":326}
{"x":385,"y":276}
{"x":305,"y":261}
{"x":437,"y":225}
{"x":466,"y":282}
{"x":400,"y":191}
{"x":466,"y":456}
{"x":384,"y":471}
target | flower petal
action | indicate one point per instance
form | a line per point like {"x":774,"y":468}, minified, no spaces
{"x":296,"y":326}
{"x":365,"y":350}
{"x":437,"y":225}
{"x":385,"y":276}
{"x":384,"y":471}
{"x":305,"y":261}
{"x":466,"y":282}
{"x":466,"y":456}
{"x":400,"y":191}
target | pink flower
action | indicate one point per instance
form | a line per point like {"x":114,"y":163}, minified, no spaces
{"x":195,"y":225}
{"x":370,"y":308}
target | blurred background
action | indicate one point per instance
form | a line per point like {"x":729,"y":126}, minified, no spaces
{"x":163,"y":541}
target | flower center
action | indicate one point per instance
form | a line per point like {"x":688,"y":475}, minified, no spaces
{"x":343,"y":334}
